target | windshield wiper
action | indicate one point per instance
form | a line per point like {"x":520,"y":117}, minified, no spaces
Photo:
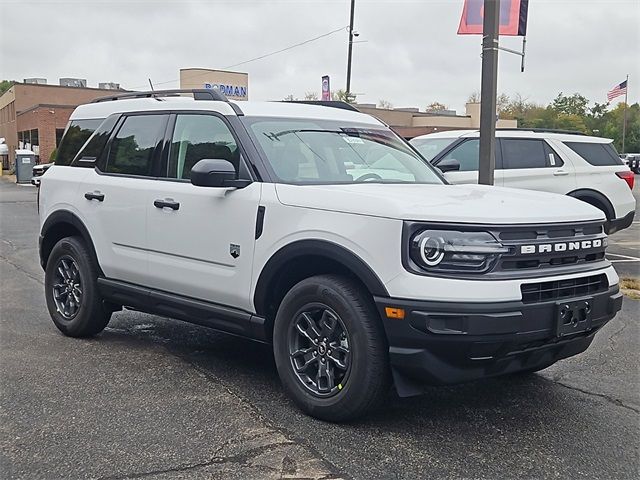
{"x":277,"y":135}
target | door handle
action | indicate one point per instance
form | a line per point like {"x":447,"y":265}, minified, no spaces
{"x":94,"y":196}
{"x":166,"y":203}
{"x":560,"y":173}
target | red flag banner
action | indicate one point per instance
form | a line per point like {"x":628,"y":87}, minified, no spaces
{"x":513,"y":17}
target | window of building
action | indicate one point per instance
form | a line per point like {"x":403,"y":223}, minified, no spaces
{"x":133,"y":147}
{"x":196,"y":137}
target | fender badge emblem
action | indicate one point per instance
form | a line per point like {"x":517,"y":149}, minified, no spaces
{"x":234,"y":250}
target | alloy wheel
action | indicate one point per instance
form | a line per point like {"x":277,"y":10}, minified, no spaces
{"x":319,"y":350}
{"x":67,"y":288}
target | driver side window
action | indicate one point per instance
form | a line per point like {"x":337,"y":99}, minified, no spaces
{"x":467,"y":153}
{"x":196,"y":137}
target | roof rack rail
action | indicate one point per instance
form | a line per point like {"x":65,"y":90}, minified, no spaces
{"x":326,"y":103}
{"x":542,"y":130}
{"x":198,"y":94}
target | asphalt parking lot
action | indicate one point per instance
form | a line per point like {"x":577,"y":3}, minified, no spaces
{"x":160,"y":399}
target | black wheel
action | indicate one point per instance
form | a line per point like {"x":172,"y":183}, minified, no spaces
{"x":330,"y":348}
{"x":71,"y":290}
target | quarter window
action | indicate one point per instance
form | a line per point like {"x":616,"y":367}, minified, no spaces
{"x":132,"y":149}
{"x":78,"y":132}
{"x":597,"y":154}
{"x":196,"y":137}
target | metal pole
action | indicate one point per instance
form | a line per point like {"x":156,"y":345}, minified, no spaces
{"x":353,"y":8}
{"x":624,"y":116}
{"x":488,"y":93}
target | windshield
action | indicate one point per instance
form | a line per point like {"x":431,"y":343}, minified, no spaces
{"x":430,"y":147}
{"x":302,"y":151}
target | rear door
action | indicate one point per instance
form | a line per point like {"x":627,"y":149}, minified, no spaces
{"x":115,"y":194}
{"x":532,"y":164}
{"x":467,"y":153}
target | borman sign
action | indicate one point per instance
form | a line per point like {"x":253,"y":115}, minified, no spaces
{"x":513,"y":17}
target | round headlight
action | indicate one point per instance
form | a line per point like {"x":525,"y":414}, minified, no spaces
{"x":432,"y":250}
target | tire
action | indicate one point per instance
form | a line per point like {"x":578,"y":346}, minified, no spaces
{"x":354,"y":377}
{"x":71,"y":290}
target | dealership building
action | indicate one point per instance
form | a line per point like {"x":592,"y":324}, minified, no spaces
{"x":33,"y":115}
{"x":411,"y":122}
{"x":235,"y":85}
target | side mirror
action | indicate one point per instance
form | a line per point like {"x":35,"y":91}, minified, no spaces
{"x":216,"y":173}
{"x":449,"y":165}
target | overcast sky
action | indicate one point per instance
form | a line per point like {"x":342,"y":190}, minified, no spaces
{"x":410,"y":55}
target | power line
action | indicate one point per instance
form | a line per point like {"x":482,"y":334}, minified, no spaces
{"x":310,"y":40}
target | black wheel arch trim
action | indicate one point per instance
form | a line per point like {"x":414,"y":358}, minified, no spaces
{"x":587,"y":193}
{"x":316,"y":248}
{"x":61,"y":217}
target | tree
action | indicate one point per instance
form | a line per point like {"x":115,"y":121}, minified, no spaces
{"x":385,"y":104}
{"x":435,"y":107}
{"x":342,"y":96}
{"x":575,"y":104}
{"x":474,"y":97}
{"x":290,"y":98}
{"x":311,"y":96}
{"x":6,"y":85}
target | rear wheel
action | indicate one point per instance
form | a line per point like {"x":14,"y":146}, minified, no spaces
{"x":71,"y":290}
{"x":330,"y":348}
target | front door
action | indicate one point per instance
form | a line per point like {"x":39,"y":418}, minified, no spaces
{"x":201,"y":239}
{"x":467,"y":153}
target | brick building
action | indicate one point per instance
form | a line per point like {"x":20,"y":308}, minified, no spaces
{"x":410,"y":122}
{"x":34,"y":116}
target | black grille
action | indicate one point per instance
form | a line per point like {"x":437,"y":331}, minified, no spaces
{"x":565,"y":237}
{"x":575,"y":287}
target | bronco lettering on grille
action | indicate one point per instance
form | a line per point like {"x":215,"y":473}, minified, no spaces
{"x":563,"y":247}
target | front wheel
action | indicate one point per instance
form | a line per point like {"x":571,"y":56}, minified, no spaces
{"x":330,"y":348}
{"x":71,"y":290}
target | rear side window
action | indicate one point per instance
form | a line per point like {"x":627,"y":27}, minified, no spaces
{"x":523,"y":153}
{"x":78,"y":132}
{"x":132,"y":149}
{"x":598,"y":154}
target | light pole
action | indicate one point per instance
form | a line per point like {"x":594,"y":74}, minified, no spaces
{"x":488,"y":93}
{"x":349,"y":56}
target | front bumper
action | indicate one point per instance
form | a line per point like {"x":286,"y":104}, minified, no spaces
{"x":444,"y":342}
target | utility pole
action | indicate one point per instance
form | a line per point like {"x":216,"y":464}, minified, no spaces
{"x":488,"y":94}
{"x":353,"y":8}
{"x":624,"y":115}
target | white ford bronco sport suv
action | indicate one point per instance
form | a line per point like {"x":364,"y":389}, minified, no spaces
{"x":584,"y":167}
{"x":318,"y":230}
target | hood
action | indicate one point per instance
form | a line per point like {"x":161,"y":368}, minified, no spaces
{"x":441,"y":203}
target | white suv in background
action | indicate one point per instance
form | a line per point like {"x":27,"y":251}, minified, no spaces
{"x":584,"y":167}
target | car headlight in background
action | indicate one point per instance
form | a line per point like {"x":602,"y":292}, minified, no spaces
{"x":455,"y":251}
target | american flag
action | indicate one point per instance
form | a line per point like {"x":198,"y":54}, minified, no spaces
{"x":620,"y":89}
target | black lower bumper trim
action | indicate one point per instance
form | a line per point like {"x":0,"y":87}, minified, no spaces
{"x":445,"y":343}
{"x":621,"y":223}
